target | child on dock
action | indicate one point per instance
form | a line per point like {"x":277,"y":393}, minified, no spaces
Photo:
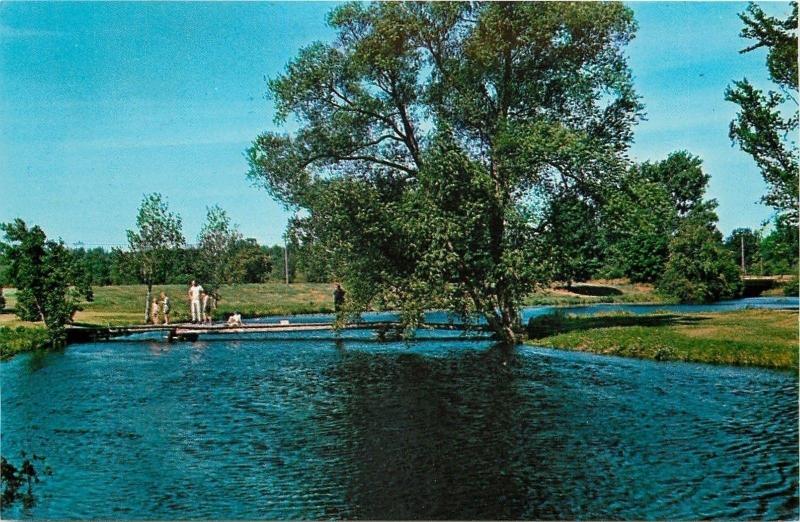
{"x":154,"y":311}
{"x":208,"y":305}
{"x":165,"y":307}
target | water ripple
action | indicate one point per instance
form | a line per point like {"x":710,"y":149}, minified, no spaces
{"x":315,"y":429}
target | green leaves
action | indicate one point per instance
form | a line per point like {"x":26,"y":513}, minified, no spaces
{"x":700,"y":269}
{"x":42,"y":270}
{"x":158,"y":231}
{"x":432,"y":133}
{"x":766,"y":124}
{"x":216,"y":243}
{"x":762,"y":131}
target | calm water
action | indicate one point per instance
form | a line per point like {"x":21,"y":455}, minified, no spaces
{"x":313,"y":428}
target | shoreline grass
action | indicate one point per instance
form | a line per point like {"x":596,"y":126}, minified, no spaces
{"x":764,"y":338}
{"x":21,"y":339}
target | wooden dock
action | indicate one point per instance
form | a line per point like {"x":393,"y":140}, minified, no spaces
{"x":192,"y":332}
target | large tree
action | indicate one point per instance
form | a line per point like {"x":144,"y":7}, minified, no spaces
{"x":157,"y":237}
{"x":432,"y":135}
{"x":767,"y":123}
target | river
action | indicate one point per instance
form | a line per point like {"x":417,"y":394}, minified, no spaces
{"x":311,"y":427}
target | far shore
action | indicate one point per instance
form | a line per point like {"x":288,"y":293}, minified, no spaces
{"x":748,"y":337}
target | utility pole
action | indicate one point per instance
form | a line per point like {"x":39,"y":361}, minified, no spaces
{"x":286,"y":259}
{"x":744,"y":269}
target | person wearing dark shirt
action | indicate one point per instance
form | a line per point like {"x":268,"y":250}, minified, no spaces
{"x":338,"y":298}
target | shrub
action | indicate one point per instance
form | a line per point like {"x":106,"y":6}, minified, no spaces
{"x":699,"y":268}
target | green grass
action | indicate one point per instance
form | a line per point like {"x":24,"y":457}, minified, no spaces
{"x":766,"y":338}
{"x":21,"y":339}
{"x":118,"y":305}
{"x":611,"y":291}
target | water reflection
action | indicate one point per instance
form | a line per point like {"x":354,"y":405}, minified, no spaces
{"x":423,"y":445}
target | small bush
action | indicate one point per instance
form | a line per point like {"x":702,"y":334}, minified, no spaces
{"x":791,"y":288}
{"x":545,"y":325}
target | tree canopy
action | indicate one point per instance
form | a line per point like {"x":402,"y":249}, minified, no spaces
{"x":158,"y":233}
{"x":767,"y":123}
{"x":42,"y":271}
{"x":433,"y":135}
{"x":217,"y":240}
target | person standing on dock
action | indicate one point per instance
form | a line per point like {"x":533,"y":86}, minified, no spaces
{"x":194,"y":301}
{"x":208,"y":304}
{"x":165,"y":307}
{"x":154,"y":311}
{"x":338,"y":298}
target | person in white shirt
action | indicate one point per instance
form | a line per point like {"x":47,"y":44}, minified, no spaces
{"x":194,"y":302}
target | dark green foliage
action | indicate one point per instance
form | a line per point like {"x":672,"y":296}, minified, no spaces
{"x":752,"y":249}
{"x":762,"y":127}
{"x":124,"y":270}
{"x":575,"y":237}
{"x":14,"y":479}
{"x":216,"y":243}
{"x":278,"y":263}
{"x":154,"y":243}
{"x":313,"y":260}
{"x":681,"y":174}
{"x":700,"y":269}
{"x":157,"y":236}
{"x":780,"y":248}
{"x":432,"y":135}
{"x":95,"y":264}
{"x":42,"y":271}
{"x":641,"y":215}
{"x":792,"y":288}
{"x":638,"y":222}
{"x":21,"y":339}
{"x":250,"y":263}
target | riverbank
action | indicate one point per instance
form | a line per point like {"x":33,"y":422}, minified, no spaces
{"x":124,"y":304}
{"x":21,"y":339}
{"x":750,"y":337}
{"x":765,"y":338}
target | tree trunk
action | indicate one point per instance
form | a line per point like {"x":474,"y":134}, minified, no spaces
{"x":147,"y":302}
{"x":505,"y":325}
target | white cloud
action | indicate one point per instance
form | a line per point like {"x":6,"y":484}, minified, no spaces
{"x":6,"y":31}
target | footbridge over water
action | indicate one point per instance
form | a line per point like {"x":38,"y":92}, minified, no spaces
{"x":192,"y":332}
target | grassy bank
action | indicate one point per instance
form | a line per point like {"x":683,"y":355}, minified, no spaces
{"x":123,"y":305}
{"x":120,"y":305}
{"x":21,"y":339}
{"x":599,"y":291}
{"x":766,"y":338}
{"x":750,"y":337}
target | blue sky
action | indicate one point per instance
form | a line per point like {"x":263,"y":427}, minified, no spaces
{"x":103,"y":103}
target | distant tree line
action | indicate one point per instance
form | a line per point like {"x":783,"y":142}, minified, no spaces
{"x":231,"y":261}
{"x":250,"y":263}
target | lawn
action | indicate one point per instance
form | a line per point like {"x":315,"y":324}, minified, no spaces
{"x":765,"y":338}
{"x":125,"y":304}
{"x":117,"y":305}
